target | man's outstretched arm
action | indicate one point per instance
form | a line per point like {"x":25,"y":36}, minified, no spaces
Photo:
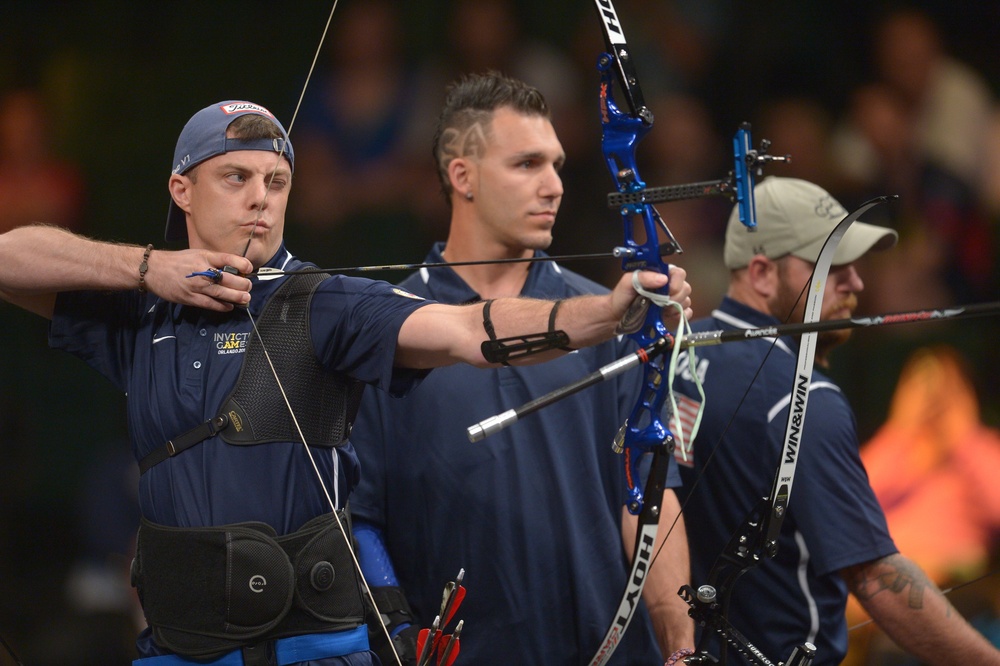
{"x":438,"y":334}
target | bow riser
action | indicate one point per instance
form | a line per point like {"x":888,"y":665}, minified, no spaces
{"x":644,"y":431}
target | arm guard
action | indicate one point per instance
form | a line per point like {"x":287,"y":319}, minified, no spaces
{"x":519,"y":346}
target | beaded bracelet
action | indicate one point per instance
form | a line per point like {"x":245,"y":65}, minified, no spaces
{"x":677,"y":656}
{"x":143,"y":267}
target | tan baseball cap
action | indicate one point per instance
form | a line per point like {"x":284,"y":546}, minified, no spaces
{"x":796,"y":217}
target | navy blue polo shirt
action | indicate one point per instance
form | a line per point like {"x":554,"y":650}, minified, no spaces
{"x":834,"y":520}
{"x":532,"y":513}
{"x":177,"y":364}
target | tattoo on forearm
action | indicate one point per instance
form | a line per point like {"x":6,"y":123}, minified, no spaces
{"x":894,"y":574}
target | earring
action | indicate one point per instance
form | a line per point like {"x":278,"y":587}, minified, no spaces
{"x":468,"y":195}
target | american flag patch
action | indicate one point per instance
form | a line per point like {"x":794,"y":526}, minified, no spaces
{"x":682,"y":424}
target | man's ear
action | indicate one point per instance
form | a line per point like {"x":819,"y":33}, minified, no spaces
{"x":180,"y":191}
{"x":762,"y":274}
{"x":462,"y":174}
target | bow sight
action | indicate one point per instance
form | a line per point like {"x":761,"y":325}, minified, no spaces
{"x":734,"y":187}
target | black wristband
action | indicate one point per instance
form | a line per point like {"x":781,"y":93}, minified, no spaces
{"x":501,"y":350}
{"x":552,"y":324}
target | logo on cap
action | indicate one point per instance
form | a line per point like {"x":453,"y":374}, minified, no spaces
{"x":243,"y":107}
{"x":829,"y":208}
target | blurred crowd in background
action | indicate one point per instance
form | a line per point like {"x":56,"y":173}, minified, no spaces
{"x":868,"y":98}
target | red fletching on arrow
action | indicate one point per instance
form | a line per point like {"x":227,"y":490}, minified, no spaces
{"x":422,"y":641}
{"x":426,"y":642}
{"x":456,"y":601}
{"x":450,"y":646}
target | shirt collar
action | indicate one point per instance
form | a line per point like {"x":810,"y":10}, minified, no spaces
{"x":746,"y":316}
{"x":445,"y":285}
{"x":734,"y":314}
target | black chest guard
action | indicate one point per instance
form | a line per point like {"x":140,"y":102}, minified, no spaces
{"x":325,"y":402}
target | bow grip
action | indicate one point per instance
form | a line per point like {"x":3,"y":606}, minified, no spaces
{"x":644,"y":431}
{"x":634,"y":455}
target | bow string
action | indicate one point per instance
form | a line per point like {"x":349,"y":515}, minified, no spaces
{"x":318,"y":474}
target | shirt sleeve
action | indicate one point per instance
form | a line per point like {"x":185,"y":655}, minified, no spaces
{"x":355,"y":326}
{"x":99,"y":328}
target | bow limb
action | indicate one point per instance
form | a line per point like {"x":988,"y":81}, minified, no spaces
{"x":805,"y":361}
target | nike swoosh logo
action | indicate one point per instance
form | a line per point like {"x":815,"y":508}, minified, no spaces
{"x":165,"y":337}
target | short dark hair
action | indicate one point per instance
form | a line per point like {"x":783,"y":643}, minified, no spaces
{"x":250,"y":127}
{"x":471,"y":102}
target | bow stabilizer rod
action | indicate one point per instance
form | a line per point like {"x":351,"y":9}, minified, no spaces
{"x":495,"y":424}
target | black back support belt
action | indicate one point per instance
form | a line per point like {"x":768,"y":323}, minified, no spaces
{"x":210,"y":590}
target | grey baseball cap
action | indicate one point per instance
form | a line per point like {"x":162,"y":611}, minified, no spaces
{"x":795,"y":217}
{"x":204,"y":136}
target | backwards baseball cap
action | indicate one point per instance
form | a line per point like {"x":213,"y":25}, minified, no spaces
{"x":796,"y":217}
{"x":204,"y":136}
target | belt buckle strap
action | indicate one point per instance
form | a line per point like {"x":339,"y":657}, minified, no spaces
{"x":259,"y":654}
{"x":308,"y":647}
